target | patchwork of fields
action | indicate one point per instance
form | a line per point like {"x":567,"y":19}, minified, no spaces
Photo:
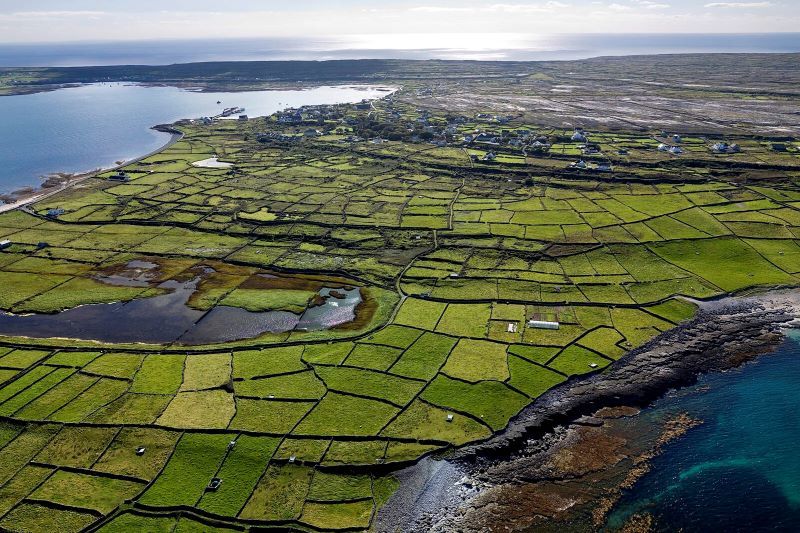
{"x":455,"y":262}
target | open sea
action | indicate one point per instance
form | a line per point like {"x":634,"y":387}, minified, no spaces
{"x":84,"y":128}
{"x":740,"y":469}
{"x":486,"y":46}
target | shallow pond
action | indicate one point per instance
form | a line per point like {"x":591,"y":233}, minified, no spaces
{"x":167,"y":318}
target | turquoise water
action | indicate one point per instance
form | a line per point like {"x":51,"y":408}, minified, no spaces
{"x":740,"y":470}
{"x":83,"y":128}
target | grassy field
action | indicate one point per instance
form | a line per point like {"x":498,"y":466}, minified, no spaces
{"x":456,"y":262}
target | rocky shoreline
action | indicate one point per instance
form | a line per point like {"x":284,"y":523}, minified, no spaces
{"x":60,"y":181}
{"x":564,"y":460}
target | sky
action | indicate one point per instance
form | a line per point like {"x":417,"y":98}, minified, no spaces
{"x":381,"y":24}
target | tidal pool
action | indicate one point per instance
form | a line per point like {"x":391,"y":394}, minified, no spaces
{"x":168,"y":318}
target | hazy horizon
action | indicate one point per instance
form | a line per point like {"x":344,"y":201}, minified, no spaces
{"x":507,"y":47}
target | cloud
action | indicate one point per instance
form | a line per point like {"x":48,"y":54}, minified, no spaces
{"x":21,"y":17}
{"x":442,"y":9}
{"x":739,"y":5}
{"x":55,"y":14}
{"x":543,"y":7}
{"x":647,"y":4}
{"x":527,"y":8}
{"x":637,"y":6}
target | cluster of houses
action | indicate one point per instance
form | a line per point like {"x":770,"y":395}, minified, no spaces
{"x":597,"y":167}
{"x":520,"y":138}
{"x":725,"y":148}
{"x":580,"y":136}
{"x":494,"y":118}
{"x":312,"y":113}
{"x":488,"y":157}
{"x":290,"y":116}
{"x":586,"y":147}
{"x":673,"y":149}
{"x":265,"y":137}
{"x":440,"y":133}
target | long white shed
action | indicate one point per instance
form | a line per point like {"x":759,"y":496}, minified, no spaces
{"x":543,"y":324}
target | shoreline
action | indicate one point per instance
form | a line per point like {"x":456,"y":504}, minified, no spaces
{"x":453,"y":492}
{"x":33,"y":195}
{"x":64,"y":180}
{"x":212,"y":87}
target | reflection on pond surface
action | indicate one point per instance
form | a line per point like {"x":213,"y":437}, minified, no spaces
{"x":168,"y":317}
{"x":225,"y":323}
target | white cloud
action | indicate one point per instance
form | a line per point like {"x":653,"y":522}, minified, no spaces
{"x":647,"y":4}
{"x":54,"y":14}
{"x":543,"y":7}
{"x":527,"y":8}
{"x":740,"y":5}
{"x":442,"y":9}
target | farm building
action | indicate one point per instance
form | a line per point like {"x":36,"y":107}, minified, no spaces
{"x":543,"y":324}
{"x":579,"y":137}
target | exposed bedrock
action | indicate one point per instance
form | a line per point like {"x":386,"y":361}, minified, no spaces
{"x":564,"y":459}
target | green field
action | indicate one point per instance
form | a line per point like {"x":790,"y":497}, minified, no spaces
{"x":455,"y":261}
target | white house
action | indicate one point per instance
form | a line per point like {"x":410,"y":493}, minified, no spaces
{"x":720,"y":148}
{"x":579,"y":137}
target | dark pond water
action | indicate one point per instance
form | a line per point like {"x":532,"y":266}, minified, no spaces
{"x":224,"y":323}
{"x":167,"y":318}
{"x":739,"y":470}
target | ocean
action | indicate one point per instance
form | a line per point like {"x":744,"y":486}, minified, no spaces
{"x":84,"y":128}
{"x":740,"y":469}
{"x":501,"y":47}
